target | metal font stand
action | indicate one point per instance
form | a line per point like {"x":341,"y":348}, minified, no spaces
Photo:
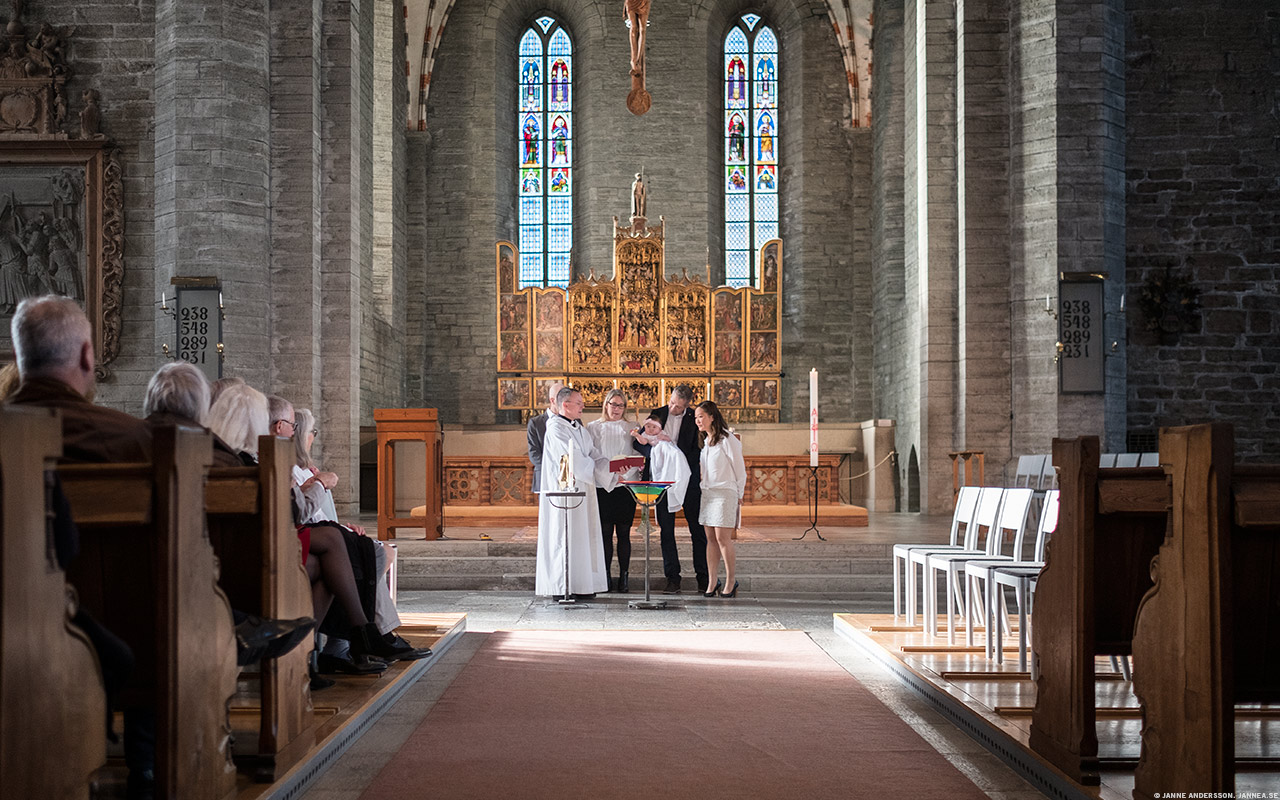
{"x":647,"y":495}
{"x":813,"y":507}
{"x":567,"y":599}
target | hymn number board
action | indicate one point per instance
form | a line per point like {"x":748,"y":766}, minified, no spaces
{"x":1080,"y":332}
{"x":199,"y":317}
{"x":642,"y":331}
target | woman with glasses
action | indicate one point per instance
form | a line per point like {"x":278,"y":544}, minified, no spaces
{"x":612,"y":436}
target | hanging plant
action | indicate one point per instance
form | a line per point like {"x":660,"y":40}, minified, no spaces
{"x":1170,"y":303}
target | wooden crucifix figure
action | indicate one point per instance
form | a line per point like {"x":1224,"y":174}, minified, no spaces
{"x":637,"y":16}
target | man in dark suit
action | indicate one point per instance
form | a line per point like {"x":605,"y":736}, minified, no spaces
{"x":537,"y":431}
{"x":677,"y":422}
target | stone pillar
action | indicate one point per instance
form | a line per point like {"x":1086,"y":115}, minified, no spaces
{"x":930,"y":196}
{"x":347,"y":228}
{"x":1090,"y":175}
{"x":296,"y":129}
{"x":877,"y":444}
{"x":212,"y":176}
{"x":982,"y":144}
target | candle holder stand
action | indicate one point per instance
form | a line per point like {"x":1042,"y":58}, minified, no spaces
{"x":813,"y":507}
{"x":567,"y":504}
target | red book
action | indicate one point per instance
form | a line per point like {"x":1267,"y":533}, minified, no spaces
{"x":624,"y":463}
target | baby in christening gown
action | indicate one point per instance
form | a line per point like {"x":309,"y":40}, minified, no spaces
{"x":666,"y":462}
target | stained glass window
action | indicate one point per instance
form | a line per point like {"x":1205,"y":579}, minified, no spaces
{"x":544,"y":132}
{"x":750,"y":146}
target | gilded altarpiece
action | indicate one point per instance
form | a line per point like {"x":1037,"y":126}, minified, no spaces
{"x":642,"y":331}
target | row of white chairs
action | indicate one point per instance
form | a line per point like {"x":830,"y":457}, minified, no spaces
{"x":986,"y":518}
{"x":1037,"y":472}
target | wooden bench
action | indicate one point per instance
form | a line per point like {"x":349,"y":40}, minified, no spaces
{"x":1208,"y":631}
{"x":147,"y":572}
{"x":51,"y":696}
{"x":1110,"y":524}
{"x":252,"y":532}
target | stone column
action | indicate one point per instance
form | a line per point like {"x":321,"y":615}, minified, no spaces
{"x":213,"y":171}
{"x":930,"y":196}
{"x":982,"y":144}
{"x":347,"y":228}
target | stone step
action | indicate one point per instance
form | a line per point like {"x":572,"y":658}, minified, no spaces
{"x":851,"y":586}
{"x":525,"y":565}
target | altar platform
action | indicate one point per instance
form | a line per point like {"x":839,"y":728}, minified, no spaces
{"x":993,"y":703}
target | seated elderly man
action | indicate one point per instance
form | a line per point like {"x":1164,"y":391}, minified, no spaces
{"x":53,"y":341}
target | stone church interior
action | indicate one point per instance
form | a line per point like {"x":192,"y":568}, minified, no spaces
{"x":985,"y":293}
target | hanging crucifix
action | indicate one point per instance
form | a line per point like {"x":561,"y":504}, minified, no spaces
{"x":637,"y":16}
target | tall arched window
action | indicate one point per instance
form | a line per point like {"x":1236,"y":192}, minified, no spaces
{"x":544,"y":129}
{"x":750,"y":146}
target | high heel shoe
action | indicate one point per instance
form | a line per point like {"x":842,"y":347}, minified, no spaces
{"x":734,"y":593}
{"x":714,"y":590}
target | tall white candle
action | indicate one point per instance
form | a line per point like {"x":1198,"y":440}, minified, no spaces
{"x":813,"y":417}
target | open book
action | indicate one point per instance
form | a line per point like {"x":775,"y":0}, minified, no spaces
{"x":624,"y":463}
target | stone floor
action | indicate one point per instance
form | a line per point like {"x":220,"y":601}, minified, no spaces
{"x":490,"y":611}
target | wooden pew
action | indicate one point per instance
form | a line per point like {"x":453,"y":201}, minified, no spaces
{"x":147,"y":572}
{"x":252,"y":532}
{"x":1208,"y":631}
{"x":1110,"y":524}
{"x":51,"y":695}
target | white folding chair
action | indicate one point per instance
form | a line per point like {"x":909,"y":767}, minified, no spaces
{"x":961,"y":518}
{"x":986,"y":519}
{"x":1149,"y":460}
{"x":1049,"y":478}
{"x":1030,"y":470}
{"x":1127,"y":460}
{"x":1019,"y":576}
{"x":1011,"y":521}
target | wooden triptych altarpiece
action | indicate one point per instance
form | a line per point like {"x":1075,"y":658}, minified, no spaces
{"x":642,"y":331}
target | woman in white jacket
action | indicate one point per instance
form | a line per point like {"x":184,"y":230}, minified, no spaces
{"x":724,"y":481}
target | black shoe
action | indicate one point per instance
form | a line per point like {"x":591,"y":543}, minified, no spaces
{"x":714,"y":591}
{"x":258,"y":638}
{"x":624,"y":584}
{"x":590,"y":596}
{"x":733,"y":593}
{"x":360,"y":665}
{"x":366,"y":641}
{"x":404,"y":650}
{"x":703,"y":583}
{"x":673,"y":586}
{"x":612,"y":584}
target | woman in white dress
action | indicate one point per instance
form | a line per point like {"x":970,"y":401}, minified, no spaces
{"x":612,"y":435}
{"x":724,"y":481}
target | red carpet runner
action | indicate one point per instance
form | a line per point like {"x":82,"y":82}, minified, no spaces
{"x":662,"y":714}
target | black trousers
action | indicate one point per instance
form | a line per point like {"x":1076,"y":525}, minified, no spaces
{"x":698,"y":534}
{"x":617,"y":513}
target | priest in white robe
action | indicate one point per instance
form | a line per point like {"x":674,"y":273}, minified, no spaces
{"x":569,"y":443}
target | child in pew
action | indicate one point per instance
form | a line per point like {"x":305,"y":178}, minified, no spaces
{"x":666,"y":462}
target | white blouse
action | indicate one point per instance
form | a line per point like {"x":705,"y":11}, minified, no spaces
{"x":723,"y":466}
{"x":613,"y":438}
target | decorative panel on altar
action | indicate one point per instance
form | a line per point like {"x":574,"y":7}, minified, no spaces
{"x":644,"y":330}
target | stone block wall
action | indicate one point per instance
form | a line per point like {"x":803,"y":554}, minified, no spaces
{"x":470,"y":175}
{"x":1201,"y":186}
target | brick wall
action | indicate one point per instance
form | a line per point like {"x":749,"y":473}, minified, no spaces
{"x":1201,"y":168}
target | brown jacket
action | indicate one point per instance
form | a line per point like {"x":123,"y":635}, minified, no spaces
{"x":90,"y":433}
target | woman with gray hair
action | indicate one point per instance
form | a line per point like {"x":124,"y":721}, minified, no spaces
{"x":178,"y":394}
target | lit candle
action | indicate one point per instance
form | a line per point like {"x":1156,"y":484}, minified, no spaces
{"x":163,"y":302}
{"x":1122,"y":302}
{"x":813,"y":417}
{"x":707,"y":396}
{"x":1047,"y":305}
